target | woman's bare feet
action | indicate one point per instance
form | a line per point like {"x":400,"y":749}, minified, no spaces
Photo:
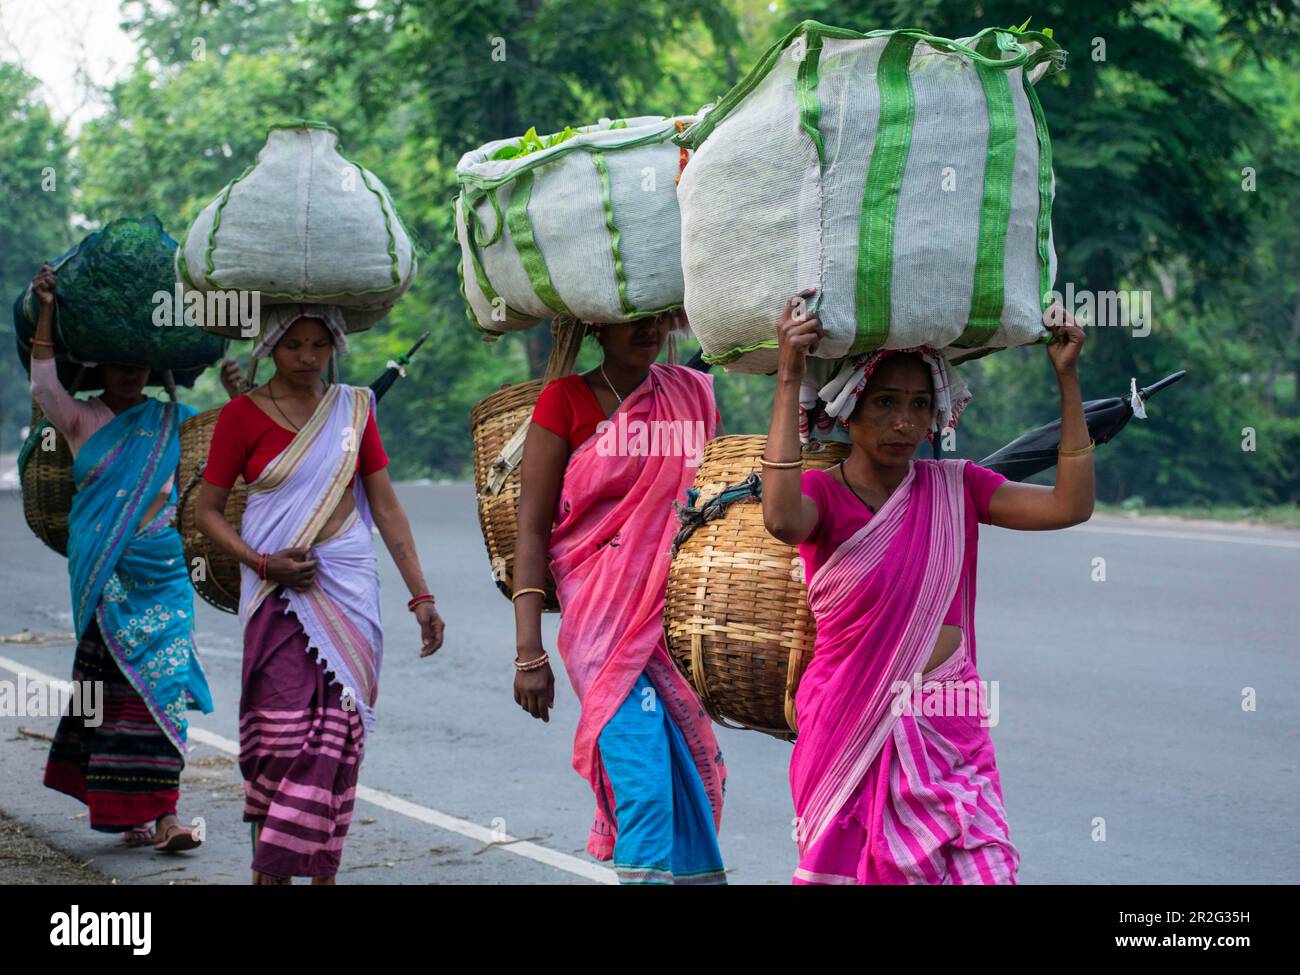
{"x":260,"y":879}
{"x":142,"y":835}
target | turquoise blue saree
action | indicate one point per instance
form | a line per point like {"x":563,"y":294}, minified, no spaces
{"x":131,"y":578}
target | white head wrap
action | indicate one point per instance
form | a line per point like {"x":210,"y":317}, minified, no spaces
{"x":830,"y":391}
{"x":278,"y":319}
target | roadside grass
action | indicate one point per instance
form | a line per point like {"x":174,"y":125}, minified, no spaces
{"x":1274,"y":516}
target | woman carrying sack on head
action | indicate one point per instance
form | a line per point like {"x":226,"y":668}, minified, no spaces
{"x":132,"y":601}
{"x":317,"y":479}
{"x":893,"y":773}
{"x":597,"y":506}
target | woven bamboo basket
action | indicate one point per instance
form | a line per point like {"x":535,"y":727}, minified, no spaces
{"x":736,"y":613}
{"x":48,"y":487}
{"x":492,"y":422}
{"x":498,"y":424}
{"x":216,"y":576}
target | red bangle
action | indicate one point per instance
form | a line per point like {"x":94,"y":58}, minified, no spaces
{"x":424,"y":597}
{"x":261,"y":565}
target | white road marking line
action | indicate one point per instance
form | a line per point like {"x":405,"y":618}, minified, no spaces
{"x":1189,"y":536}
{"x":396,"y":804}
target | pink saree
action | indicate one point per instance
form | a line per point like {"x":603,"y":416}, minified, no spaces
{"x":609,"y":555}
{"x":891,"y":783}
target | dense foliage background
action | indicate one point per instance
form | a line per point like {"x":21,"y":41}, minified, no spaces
{"x":1176,"y":132}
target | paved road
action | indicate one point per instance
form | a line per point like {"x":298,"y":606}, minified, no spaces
{"x":1120,"y":706}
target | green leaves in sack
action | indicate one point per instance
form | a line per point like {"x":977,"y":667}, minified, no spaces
{"x":531,"y":142}
{"x":1046,"y":31}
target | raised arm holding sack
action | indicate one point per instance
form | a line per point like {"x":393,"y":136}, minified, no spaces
{"x":893,"y":773}
{"x":133,"y":606}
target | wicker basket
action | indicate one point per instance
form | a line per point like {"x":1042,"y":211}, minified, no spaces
{"x":498,"y":424}
{"x":736,"y":613}
{"x":48,"y":487}
{"x":218,"y":583}
{"x":493,"y":421}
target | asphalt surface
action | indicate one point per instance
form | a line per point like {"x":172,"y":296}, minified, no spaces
{"x":1126,"y":753}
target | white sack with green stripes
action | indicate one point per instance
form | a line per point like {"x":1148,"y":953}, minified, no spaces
{"x":581,"y":223}
{"x":302,"y":224}
{"x":906,"y":177}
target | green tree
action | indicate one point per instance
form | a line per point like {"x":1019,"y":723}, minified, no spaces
{"x":36,"y":184}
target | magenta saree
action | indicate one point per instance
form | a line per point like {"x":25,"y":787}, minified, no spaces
{"x":891,"y":783}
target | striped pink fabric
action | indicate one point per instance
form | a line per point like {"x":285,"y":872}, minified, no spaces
{"x":300,"y":749}
{"x":891,"y":786}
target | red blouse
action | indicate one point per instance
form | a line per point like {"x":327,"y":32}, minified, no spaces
{"x":568,"y":408}
{"x":245,"y":440}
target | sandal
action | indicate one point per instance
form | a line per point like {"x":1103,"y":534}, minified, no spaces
{"x":176,"y":839}
{"x":139,"y":836}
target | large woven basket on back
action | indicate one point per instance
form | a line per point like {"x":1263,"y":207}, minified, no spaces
{"x":736,"y":613}
{"x":47,"y":484}
{"x":492,"y":422}
{"x":498,"y":424}
{"x":215,"y":574}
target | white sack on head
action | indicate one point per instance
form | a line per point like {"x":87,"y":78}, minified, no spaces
{"x":907,"y":178}
{"x":303,"y":224}
{"x":587,"y":228}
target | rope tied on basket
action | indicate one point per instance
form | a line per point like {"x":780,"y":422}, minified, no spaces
{"x":693,"y":515}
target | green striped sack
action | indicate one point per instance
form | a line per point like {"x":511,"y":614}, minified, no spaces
{"x":587,"y":228}
{"x":303,"y":224}
{"x":906,"y":177}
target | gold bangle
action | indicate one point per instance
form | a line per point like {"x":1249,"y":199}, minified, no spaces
{"x":518,"y":593}
{"x":1077,"y":453}
{"x":785,"y":463}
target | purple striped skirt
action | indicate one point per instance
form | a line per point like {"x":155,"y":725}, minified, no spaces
{"x":299,"y":749}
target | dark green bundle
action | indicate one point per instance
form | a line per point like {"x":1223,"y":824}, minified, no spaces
{"x":105,"y":305}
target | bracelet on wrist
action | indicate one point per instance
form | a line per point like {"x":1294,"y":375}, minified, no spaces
{"x":520,"y":592}
{"x":781,"y":463}
{"x":537,"y":663}
{"x":424,"y":597}
{"x":1077,"y":453}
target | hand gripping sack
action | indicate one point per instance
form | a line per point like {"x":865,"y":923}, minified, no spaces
{"x":107,"y":309}
{"x":302,"y":224}
{"x":587,"y":228}
{"x":906,"y":177}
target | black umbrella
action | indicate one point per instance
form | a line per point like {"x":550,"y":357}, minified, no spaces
{"x":395,"y":369}
{"x":1035,"y":450}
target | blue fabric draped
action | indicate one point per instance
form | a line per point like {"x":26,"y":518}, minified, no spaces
{"x":129,"y":577}
{"x":665,"y":823}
